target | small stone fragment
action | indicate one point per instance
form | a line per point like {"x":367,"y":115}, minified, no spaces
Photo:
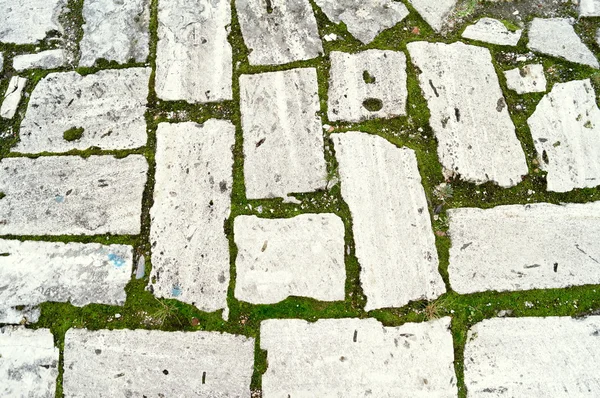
{"x":526,"y":79}
{"x":492,"y":31}
{"x":589,"y":8}
{"x":434,"y":12}
{"x":28,"y":21}
{"x":50,"y":59}
{"x":12,"y":97}
{"x":140,"y":269}
{"x":1,"y":62}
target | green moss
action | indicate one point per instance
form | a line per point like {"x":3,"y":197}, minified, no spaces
{"x":73,"y":134}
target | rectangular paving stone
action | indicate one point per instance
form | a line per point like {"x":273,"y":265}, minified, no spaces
{"x":589,"y":8}
{"x":299,"y":256}
{"x":12,"y":97}
{"x":434,"y":12}
{"x":357,"y":358}
{"x":50,"y":59}
{"x":194,"y":57}
{"x":136,"y":363}
{"x":489,"y":30}
{"x":527,"y":79}
{"x":395,"y":245}
{"x":60,"y":195}
{"x":28,"y":21}
{"x":533,"y":357}
{"x":192,"y":200}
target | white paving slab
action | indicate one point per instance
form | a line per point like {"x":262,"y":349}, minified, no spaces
{"x":49,"y":59}
{"x":28,"y":21}
{"x":28,"y":363}
{"x":492,"y":31}
{"x":192,"y":200}
{"x":533,"y":357}
{"x":434,"y":12}
{"x":136,"y":363}
{"x":12,"y":97}
{"x":71,"y":195}
{"x":357,"y":358}
{"x":194,"y":58}
{"x":476,"y":136}
{"x":283,"y":137}
{"x":526,"y":79}
{"x":368,"y":75}
{"x":109,"y":106}
{"x":395,"y":245}
{"x":589,"y":8}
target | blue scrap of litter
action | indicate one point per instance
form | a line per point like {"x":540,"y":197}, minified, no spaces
{"x":59,"y":199}
{"x":118,"y":261}
{"x":176,"y":291}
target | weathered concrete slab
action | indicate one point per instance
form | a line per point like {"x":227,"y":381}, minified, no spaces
{"x":556,"y":37}
{"x":12,"y":97}
{"x":395,"y":245}
{"x":71,"y":195}
{"x":492,"y":31}
{"x":115,"y":31}
{"x":469,"y":115}
{"x":357,"y":357}
{"x":50,"y":59}
{"x":28,"y":363}
{"x":278,"y":31}
{"x":369,"y":75}
{"x":527,"y":79}
{"x":194,"y":58}
{"x":136,"y":363}
{"x":283,"y":137}
{"x":299,"y":256}
{"x":28,"y":21}
{"x":434,"y":12}
{"x":1,"y":62}
{"x":109,"y":106}
{"x":533,"y":357}
{"x":589,"y":8}
{"x":192,"y":200}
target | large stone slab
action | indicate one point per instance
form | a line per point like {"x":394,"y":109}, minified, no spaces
{"x":194,"y":58}
{"x":492,"y":31}
{"x":71,"y":195}
{"x":49,"y":59}
{"x":476,"y":136}
{"x":283,"y":137}
{"x":299,"y":256}
{"x":109,"y":106}
{"x":395,"y":245}
{"x":136,"y":363}
{"x":527,"y":79}
{"x":192,"y":200}
{"x":533,"y":357}
{"x":12,"y":97}
{"x":28,"y":21}
{"x":434,"y":12}
{"x":589,"y":8}
{"x":357,"y":358}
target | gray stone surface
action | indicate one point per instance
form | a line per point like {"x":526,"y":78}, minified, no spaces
{"x":526,"y":79}
{"x":364,"y":19}
{"x":1,"y":62}
{"x":50,"y":59}
{"x":371,"y":74}
{"x":283,"y":137}
{"x":299,"y":256}
{"x":28,"y":21}
{"x":136,"y":363}
{"x":109,"y":106}
{"x":12,"y":97}
{"x":288,"y":33}
{"x":589,"y":8}
{"x":434,"y":12}
{"x":192,"y":200}
{"x":28,"y":363}
{"x":357,"y":358}
{"x":194,"y":58}
{"x":476,"y":136}
{"x":71,"y":195}
{"x":115,"y":30}
{"x":556,"y":37}
{"x":492,"y":31}
{"x":35,"y":272}
{"x":522,"y":247}
{"x":395,"y":245}
{"x":533,"y":357}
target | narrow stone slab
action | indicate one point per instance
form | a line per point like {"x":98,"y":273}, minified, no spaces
{"x":192,"y":200}
{"x":533,"y":357}
{"x":104,"y":110}
{"x":469,"y":115}
{"x":589,"y":8}
{"x":194,"y":58}
{"x":283,"y":137}
{"x":1,"y":62}
{"x":299,"y":256}
{"x":372,"y":75}
{"x":434,"y":12}
{"x":12,"y":97}
{"x":279,"y":31}
{"x":527,"y":79}
{"x":28,"y":21}
{"x":357,"y":357}
{"x":71,"y":195}
{"x":28,"y":363}
{"x":395,"y":244}
{"x":492,"y":31}
{"x":136,"y":363}
{"x":50,"y":59}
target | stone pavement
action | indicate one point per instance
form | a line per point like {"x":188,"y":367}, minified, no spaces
{"x":329,"y":198}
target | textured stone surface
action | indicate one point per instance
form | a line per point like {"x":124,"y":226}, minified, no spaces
{"x":193,"y":60}
{"x":395,"y":245}
{"x":71,"y":195}
{"x":533,"y":357}
{"x":50,"y":59}
{"x":492,"y":31}
{"x":28,"y":21}
{"x":371,"y":74}
{"x":434,"y":12}
{"x":589,"y":8}
{"x":356,"y":358}
{"x":12,"y":97}
{"x":469,"y":115}
{"x":288,"y":33}
{"x":108,"y":105}
{"x":526,"y":79}
{"x":192,"y":200}
{"x":1,"y":62}
{"x":283,"y":138}
{"x":299,"y":256}
{"x":136,"y":363}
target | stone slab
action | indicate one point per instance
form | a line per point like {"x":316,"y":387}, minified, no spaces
{"x":395,"y":245}
{"x":28,"y":21}
{"x":136,"y":363}
{"x":55,"y":195}
{"x":469,"y":116}
{"x":526,"y":79}
{"x":12,"y":97}
{"x":1,"y":62}
{"x":50,"y":59}
{"x":109,"y":106}
{"x":434,"y":12}
{"x":489,"y":30}
{"x":357,"y":358}
{"x":589,"y":8}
